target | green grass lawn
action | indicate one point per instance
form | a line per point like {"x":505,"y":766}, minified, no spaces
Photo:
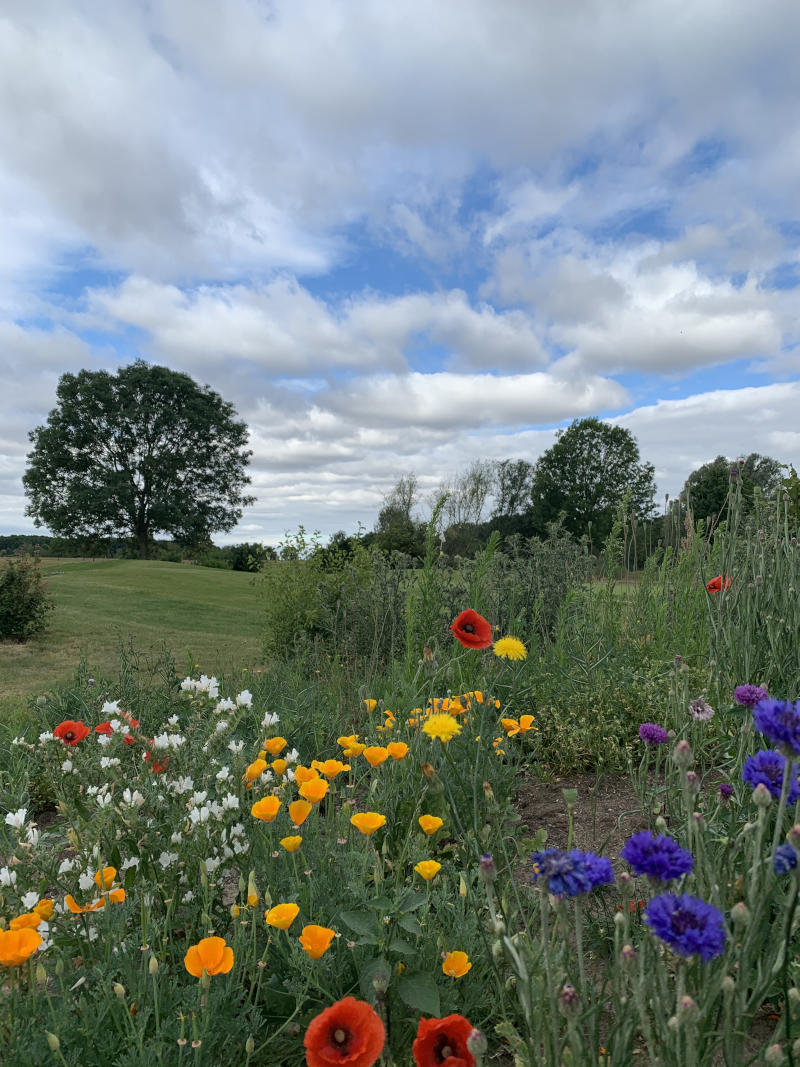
{"x":200,"y":615}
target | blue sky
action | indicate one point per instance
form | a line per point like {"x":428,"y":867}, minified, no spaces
{"x":402,"y":237}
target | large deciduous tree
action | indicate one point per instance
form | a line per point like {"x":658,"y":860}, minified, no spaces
{"x":143,"y":451}
{"x":586,"y":475}
{"x":707,"y":487}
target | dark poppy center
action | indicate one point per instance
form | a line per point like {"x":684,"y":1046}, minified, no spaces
{"x":69,"y":735}
{"x":468,"y":628}
{"x":444,"y":1049}
{"x":341,"y":1038}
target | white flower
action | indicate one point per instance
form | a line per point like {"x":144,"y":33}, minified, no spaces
{"x":107,"y":761}
{"x":270,"y":719}
{"x":16,"y":818}
{"x":161,"y":740}
{"x":188,"y":896}
{"x":290,"y":774}
{"x":198,"y":797}
{"x":92,"y":790}
{"x":67,"y":766}
{"x":131,"y":861}
{"x":212,"y":863}
{"x":166,"y":859}
{"x":66,"y":866}
{"x":213,"y":689}
{"x":32,"y":836}
{"x":103,"y":799}
{"x":29,"y":900}
{"x":181,"y":785}
{"x":176,"y":740}
{"x":239,"y":847}
{"x":198,"y":815}
{"x":46,"y":736}
{"x":293,"y":756}
{"x":189,"y":685}
{"x":133,"y":799}
{"x":17,"y":740}
{"x":236,"y":746}
{"x":172,"y":720}
{"x":109,"y":709}
{"x":7,"y":877}
{"x":230,"y":802}
{"x":225,"y":705}
{"x":223,"y":775}
{"x":237,"y":830}
{"x":176,"y":838}
{"x":103,"y":739}
{"x":244,"y":699}
{"x":85,"y":881}
{"x":117,"y":725}
{"x":221,"y":726}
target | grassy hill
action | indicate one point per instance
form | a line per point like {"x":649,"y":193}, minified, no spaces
{"x":200,"y":615}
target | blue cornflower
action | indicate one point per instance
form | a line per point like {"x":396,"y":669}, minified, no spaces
{"x":766,"y":768}
{"x":779,"y":722}
{"x":658,"y":857}
{"x":690,"y":926}
{"x":568,"y":874}
{"x":653,"y":734}
{"x":785,"y":859}
{"x":749,"y":695}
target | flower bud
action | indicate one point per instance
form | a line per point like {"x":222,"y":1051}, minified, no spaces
{"x":700,"y":822}
{"x":793,"y":837}
{"x":774,"y":1056}
{"x":499,"y":928}
{"x":728,"y":986}
{"x":487,"y":871}
{"x":59,"y":966}
{"x":477,"y":1043}
{"x":380,"y":982}
{"x":661,"y":824}
{"x":568,"y":1002}
{"x":794,"y":996}
{"x":692,"y":781}
{"x":52,"y":1042}
{"x":674,"y":1023}
{"x":619,"y":919}
{"x":252,"y":891}
{"x":205,"y":979}
{"x":152,"y":966}
{"x":682,"y":754}
{"x":497,"y":951}
{"x":462,"y":886}
{"x":41,"y":974}
{"x":687,"y":1008}
{"x":740,"y":915}
{"x":250,"y":1046}
{"x":762,"y":797}
{"x":119,"y":990}
{"x":627,"y":955}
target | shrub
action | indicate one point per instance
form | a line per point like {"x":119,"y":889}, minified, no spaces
{"x":24,"y":601}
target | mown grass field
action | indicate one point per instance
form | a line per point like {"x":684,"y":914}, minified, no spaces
{"x":199,"y":615}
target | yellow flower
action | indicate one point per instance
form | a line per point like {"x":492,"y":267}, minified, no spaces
{"x":45,"y":909}
{"x":456,"y":964}
{"x":330,"y":767}
{"x":28,"y":921}
{"x":427,"y":869}
{"x":265,"y":809}
{"x":351,"y":745}
{"x":279,"y":766}
{"x":456,"y":707}
{"x":262,"y":754}
{"x":314,"y":790}
{"x":211,"y":955}
{"x":375,"y":755}
{"x":316,"y":940}
{"x":255,"y":769}
{"x":16,"y":946}
{"x":397,"y":749}
{"x":105,"y":879}
{"x":478,"y":696}
{"x":513,"y":727}
{"x":429,"y":824}
{"x":252,"y":891}
{"x":368,"y":821}
{"x":275,"y":745}
{"x":370,"y":704}
{"x":299,"y":811}
{"x":292,"y":843}
{"x":510,"y":648}
{"x":282,"y":916}
{"x":305,"y":774}
{"x":442,"y":727}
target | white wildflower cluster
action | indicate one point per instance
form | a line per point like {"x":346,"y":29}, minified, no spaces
{"x":203,"y":684}
{"x":225,"y":704}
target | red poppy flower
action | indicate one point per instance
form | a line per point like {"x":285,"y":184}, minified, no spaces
{"x":716,"y":584}
{"x":129,"y":739}
{"x":104,"y":728}
{"x":472,"y":630}
{"x":157,"y":765}
{"x":71,"y":732}
{"x":348,"y":1032}
{"x":443,"y":1043}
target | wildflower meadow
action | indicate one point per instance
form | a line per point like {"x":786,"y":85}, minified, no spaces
{"x":300,"y":865}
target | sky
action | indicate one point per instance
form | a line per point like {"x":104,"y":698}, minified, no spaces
{"x":403,"y":237}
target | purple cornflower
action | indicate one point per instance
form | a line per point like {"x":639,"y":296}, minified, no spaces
{"x":700,"y":710}
{"x":653,"y":734}
{"x":749,"y":695}
{"x":725,"y":791}
{"x":779,"y":722}
{"x":784,"y":859}
{"x":568,"y":874}
{"x":766,"y":768}
{"x":690,"y":926}
{"x":658,"y":857}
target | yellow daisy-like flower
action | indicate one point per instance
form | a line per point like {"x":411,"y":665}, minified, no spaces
{"x":442,"y":727}
{"x":510,"y":648}
{"x":367,"y":822}
{"x":292,"y":843}
{"x":429,"y":824}
{"x":456,"y":964}
{"x":427,"y":869}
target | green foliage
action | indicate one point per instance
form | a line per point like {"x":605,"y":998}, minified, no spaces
{"x":24,"y":601}
{"x":142,"y":451}
{"x":707,"y":487}
{"x":585,"y":476}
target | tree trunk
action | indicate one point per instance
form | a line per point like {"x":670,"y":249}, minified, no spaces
{"x":143,"y":541}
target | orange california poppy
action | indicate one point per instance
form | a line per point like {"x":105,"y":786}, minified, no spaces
{"x":314,"y":790}
{"x":375,"y":755}
{"x":316,"y":940}
{"x":299,"y":810}
{"x":281,"y":916}
{"x":16,"y":946}
{"x":367,"y":822}
{"x":265,"y":809}
{"x":397,"y":749}
{"x":211,"y":955}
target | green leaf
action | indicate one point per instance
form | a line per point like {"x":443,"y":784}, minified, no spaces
{"x":381,"y":904}
{"x":362,"y":922}
{"x":411,"y":901}
{"x":410,"y":925}
{"x":419,"y":992}
{"x":397,"y":944}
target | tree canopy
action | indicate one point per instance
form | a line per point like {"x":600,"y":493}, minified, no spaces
{"x":586,"y":474}
{"x":143,"y":451}
{"x":708,"y":486}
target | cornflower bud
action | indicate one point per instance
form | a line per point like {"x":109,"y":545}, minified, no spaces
{"x":793,"y":836}
{"x":477,"y":1043}
{"x":692,"y":781}
{"x":682,"y":754}
{"x":380,"y":982}
{"x":568,"y":1002}
{"x":687,"y":1008}
{"x":487,"y":871}
{"x":674,"y":1023}
{"x":773,"y":1056}
{"x":152,"y":966}
{"x":627,"y":955}
{"x":52,"y":1042}
{"x":762,"y":797}
{"x":250,"y":1046}
{"x":740,"y":915}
